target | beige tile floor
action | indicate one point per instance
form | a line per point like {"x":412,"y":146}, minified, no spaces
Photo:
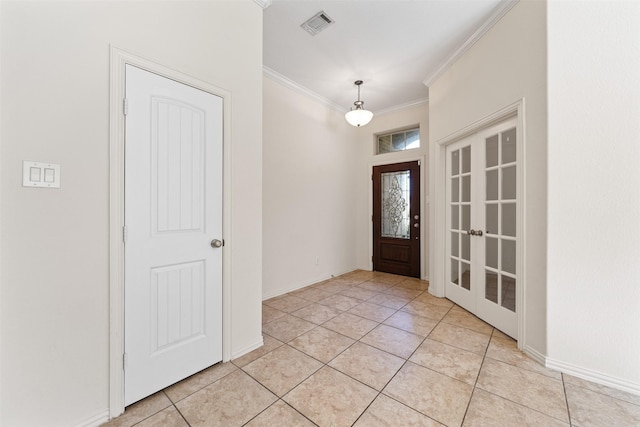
{"x":374,"y":349}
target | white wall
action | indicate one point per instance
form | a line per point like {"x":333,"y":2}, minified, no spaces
{"x":55,"y":107}
{"x":309,"y":191}
{"x":508,"y":63}
{"x":594,"y":190}
{"x":414,"y":116}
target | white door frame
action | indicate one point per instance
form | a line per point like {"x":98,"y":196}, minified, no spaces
{"x":119,"y":59}
{"x":423,"y":244}
{"x":438,"y":164}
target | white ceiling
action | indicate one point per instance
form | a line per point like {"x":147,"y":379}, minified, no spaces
{"x":392,"y":45}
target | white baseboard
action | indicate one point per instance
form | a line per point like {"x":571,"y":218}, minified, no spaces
{"x":535,"y":355}
{"x":593,"y":376}
{"x":98,"y":419}
{"x":248,"y":349}
{"x":304,"y":284}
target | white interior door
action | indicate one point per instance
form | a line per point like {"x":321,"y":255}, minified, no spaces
{"x":173,"y":211}
{"x":482,"y":209}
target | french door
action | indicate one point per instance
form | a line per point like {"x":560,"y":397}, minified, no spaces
{"x":481,"y":225}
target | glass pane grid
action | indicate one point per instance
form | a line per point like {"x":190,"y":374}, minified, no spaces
{"x":506,"y":274}
{"x":500,"y":204}
{"x":399,"y":141}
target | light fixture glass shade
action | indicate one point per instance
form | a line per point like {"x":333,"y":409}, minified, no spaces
{"x":358,"y":117}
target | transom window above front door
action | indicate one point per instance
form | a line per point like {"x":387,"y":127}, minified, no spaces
{"x":398,"y":141}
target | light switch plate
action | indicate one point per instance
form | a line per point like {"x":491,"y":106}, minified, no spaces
{"x":36,"y":174}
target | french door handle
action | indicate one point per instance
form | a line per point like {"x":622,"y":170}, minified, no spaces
{"x":473,"y":232}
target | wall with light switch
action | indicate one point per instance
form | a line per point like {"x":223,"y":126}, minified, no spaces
{"x":54,"y":282}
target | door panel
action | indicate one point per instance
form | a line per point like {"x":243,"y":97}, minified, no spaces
{"x":396,"y":219}
{"x":482,"y":206}
{"x":497,"y":302}
{"x":173,"y":209}
{"x":460,"y":286}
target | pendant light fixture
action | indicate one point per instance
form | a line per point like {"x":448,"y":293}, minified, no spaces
{"x":358,"y":116}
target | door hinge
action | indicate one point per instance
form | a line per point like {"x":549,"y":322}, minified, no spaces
{"x":124,"y":361}
{"x":125,"y":106}
{"x":125,"y":234}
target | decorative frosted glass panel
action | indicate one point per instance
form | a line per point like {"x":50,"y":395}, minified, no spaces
{"x":466,"y":159}
{"x":466,"y":246}
{"x":491,"y":252}
{"x":509,"y":219}
{"x":454,"y":243}
{"x":509,"y":256}
{"x":491,"y":219}
{"x":509,"y":146}
{"x":492,"y":151}
{"x":466,"y":275}
{"x":395,"y":205}
{"x":399,"y":141}
{"x":455,"y":162}
{"x":492,"y":185}
{"x":455,"y":190}
{"x":509,"y":293}
{"x":466,"y":188}
{"x":509,"y":183}
{"x":466,"y":218}
{"x":491,"y":286}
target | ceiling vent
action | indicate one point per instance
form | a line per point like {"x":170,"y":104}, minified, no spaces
{"x":317,"y":23}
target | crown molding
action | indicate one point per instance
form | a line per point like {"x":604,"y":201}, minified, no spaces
{"x":504,"y":7}
{"x":285,"y":81}
{"x":263,"y":3}
{"x":400,"y":107}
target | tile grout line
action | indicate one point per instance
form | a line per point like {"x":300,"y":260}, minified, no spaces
{"x":475,"y":383}
{"x":404,"y":364}
{"x":566,"y":398}
{"x":506,"y":398}
{"x":379,"y":392}
{"x":399,"y":369}
{"x":177,"y":409}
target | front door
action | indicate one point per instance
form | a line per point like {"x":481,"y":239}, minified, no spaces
{"x":481,"y":217}
{"x":173,"y":210}
{"x":396,"y":218}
